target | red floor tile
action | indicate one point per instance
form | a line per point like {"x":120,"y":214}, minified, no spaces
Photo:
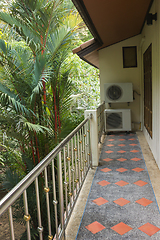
{"x":100,"y":201}
{"x":140,"y":183}
{"x":121,"y":228}
{"x":111,"y":140}
{"x":121,"y":159}
{"x":103,"y":183}
{"x":110,"y":145}
{"x":134,"y":151}
{"x":109,"y":151}
{"x":121,"y":202}
{"x":136,"y":159}
{"x":144,"y":202}
{"x":121,"y":139}
{"x":121,"y":170}
{"x":95,"y":227}
{"x":106,"y":170}
{"x":121,"y":145}
{"x":121,"y":183}
{"x":107,"y":159}
{"x":121,"y":151}
{"x":149,"y":229}
{"x":131,"y":139}
{"x":138,"y":169}
{"x":133,"y":144}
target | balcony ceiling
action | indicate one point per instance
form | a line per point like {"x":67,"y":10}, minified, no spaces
{"x":112,"y":21}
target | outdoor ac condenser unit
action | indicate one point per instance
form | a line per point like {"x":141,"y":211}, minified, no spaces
{"x":117,"y":120}
{"x":118,"y":92}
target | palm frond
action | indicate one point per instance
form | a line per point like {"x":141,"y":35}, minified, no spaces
{"x":33,"y":127}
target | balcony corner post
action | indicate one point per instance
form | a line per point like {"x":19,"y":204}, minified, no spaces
{"x":93,"y":136}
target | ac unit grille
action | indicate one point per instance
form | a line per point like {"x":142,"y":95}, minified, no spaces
{"x":114,"y":120}
{"x":114,"y":92}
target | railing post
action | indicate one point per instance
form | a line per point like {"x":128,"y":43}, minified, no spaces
{"x":61,"y":200}
{"x":93,"y":136}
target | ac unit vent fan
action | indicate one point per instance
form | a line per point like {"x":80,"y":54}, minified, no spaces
{"x":114,"y":120}
{"x":114,"y":92}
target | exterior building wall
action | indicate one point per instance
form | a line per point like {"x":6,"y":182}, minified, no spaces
{"x":151,"y":35}
{"x":111,"y":70}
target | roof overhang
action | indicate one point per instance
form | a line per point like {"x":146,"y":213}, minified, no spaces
{"x":110,"y":22}
{"x":88,"y":52}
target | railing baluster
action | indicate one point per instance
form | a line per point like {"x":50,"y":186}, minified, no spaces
{"x":11,"y":223}
{"x":55,"y":202}
{"x":85,"y":149}
{"x":75,"y":162}
{"x":83,"y":155}
{"x":69,"y":172}
{"x":78,"y":157}
{"x":27,"y":216}
{"x":65,"y":180}
{"x":40,"y":228}
{"x":46,"y":189}
{"x":60,"y":187}
{"x":89,"y":141}
{"x":81,"y":152}
{"x":88,"y":144}
{"x":73,"y":168}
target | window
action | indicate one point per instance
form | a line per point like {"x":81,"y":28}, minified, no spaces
{"x":129,"y":57}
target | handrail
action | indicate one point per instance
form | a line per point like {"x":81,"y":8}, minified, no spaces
{"x":13,"y":195}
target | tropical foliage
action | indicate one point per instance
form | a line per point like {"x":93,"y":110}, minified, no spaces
{"x":35,"y":89}
{"x":43,"y":88}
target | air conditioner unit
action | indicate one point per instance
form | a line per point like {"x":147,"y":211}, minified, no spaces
{"x":117,"y":120}
{"x":118,"y":92}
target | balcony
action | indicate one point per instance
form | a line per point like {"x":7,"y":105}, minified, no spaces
{"x":59,"y":186}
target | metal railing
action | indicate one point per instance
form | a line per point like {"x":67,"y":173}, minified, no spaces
{"x":55,"y":184}
{"x":100,"y":120}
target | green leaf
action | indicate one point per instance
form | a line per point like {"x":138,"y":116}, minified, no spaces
{"x":3,"y":46}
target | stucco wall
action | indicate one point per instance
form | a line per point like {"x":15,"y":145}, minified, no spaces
{"x":111,"y":70}
{"x":151,"y":34}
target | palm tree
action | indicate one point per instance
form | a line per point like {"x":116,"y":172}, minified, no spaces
{"x":35,"y":76}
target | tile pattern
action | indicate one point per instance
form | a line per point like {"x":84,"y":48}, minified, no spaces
{"x":109,"y":151}
{"x":107,"y":159}
{"x":121,"y":228}
{"x":103,"y":183}
{"x":95,"y":227}
{"x":144,"y":202}
{"x":149,"y":229}
{"x":121,"y":170}
{"x":100,"y":201}
{"x":121,"y":204}
{"x":136,"y":159}
{"x":121,"y":201}
{"x":121,"y":159}
{"x":140,"y":183}
{"x":106,"y":170}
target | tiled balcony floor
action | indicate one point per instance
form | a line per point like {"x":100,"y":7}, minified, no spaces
{"x":121,"y":203}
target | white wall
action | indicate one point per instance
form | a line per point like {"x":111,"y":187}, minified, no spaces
{"x":111,"y":70}
{"x":151,"y":34}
